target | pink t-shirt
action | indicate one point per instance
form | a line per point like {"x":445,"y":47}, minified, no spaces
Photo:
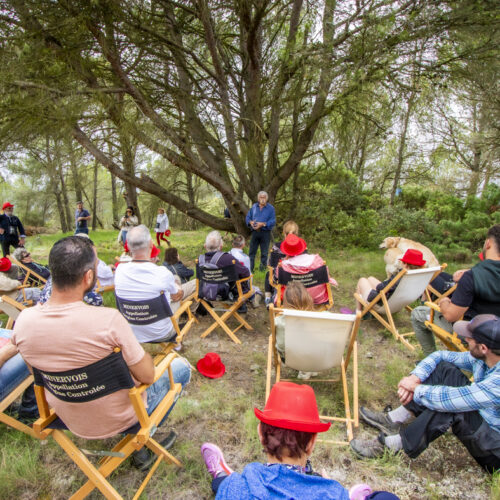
{"x":70,"y":336}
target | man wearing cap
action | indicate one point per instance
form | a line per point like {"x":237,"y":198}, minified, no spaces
{"x":11,"y":229}
{"x":142,"y":279}
{"x":288,"y":429}
{"x":261,"y":219}
{"x":82,"y":216}
{"x":298,"y":261}
{"x":477,"y":292}
{"x":440,"y":396}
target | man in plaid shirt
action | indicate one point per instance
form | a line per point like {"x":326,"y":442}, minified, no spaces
{"x":440,"y":396}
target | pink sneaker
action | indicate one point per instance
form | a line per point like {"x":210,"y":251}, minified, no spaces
{"x":214,"y":460}
{"x":359,"y":492}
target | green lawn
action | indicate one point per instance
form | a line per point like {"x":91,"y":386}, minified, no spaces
{"x":222,"y":410}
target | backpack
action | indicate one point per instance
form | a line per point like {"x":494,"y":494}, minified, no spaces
{"x":209,"y":291}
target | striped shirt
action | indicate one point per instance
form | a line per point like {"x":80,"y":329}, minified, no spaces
{"x":482,"y":395}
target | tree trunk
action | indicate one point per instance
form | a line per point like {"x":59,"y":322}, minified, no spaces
{"x":114,"y":202}
{"x":94,"y":198}
{"x":74,"y":172}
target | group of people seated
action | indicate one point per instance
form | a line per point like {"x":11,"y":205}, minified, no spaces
{"x":436,"y":396}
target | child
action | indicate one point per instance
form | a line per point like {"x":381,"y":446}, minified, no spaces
{"x":161,"y":227}
{"x":176,"y":267}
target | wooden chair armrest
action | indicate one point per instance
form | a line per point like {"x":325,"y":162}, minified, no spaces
{"x":160,"y":368}
{"x":433,"y":306}
{"x":182,"y":309}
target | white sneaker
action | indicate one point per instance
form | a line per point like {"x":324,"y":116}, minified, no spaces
{"x":306,"y":375}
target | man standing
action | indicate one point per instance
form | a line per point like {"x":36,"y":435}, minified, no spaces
{"x":11,"y":229}
{"x":71,"y":335}
{"x":440,"y":396}
{"x":477,"y":292}
{"x":81,"y":217}
{"x":261,"y":219}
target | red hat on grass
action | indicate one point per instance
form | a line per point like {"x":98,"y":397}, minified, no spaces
{"x":292,"y":406}
{"x":5,"y":264}
{"x":293,"y":245}
{"x":7,"y":205}
{"x":211,"y":365}
{"x":413,"y":257}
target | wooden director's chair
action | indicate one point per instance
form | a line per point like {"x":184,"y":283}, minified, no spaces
{"x":412,"y":284}
{"x":12,"y":309}
{"x":316,"y":277}
{"x":219,"y":276}
{"x":103,"y":289}
{"x":31,"y":278}
{"x":145,"y":312}
{"x":316,"y":341}
{"x":450,"y":340}
{"x":113,"y":374}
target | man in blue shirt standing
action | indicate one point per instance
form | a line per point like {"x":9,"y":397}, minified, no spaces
{"x":81,"y":218}
{"x":261,"y":219}
{"x":440,"y":396}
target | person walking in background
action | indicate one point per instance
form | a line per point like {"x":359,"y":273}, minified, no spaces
{"x":161,"y":227}
{"x":127,"y":222}
{"x":261,"y":219}
{"x":82,"y":216}
{"x":11,"y":229}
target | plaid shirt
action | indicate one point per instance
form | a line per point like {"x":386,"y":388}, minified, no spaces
{"x":482,"y":395}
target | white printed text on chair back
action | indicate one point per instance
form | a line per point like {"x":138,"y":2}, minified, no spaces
{"x":315,"y":341}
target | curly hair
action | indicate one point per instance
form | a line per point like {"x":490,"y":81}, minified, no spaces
{"x":282,"y":443}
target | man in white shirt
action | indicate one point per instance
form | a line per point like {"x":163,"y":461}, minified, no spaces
{"x":105,"y":273}
{"x":238,"y":253}
{"x":141,"y":279}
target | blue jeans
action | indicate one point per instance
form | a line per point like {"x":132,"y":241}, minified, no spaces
{"x":123,"y":236}
{"x":182,"y":374}
{"x":259,"y":238}
{"x":82,"y":230}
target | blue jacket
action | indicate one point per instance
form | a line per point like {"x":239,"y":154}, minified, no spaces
{"x":267,"y":215}
{"x":277,"y":482}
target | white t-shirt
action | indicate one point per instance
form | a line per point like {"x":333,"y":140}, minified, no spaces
{"x":241,"y":256}
{"x":161,"y":223}
{"x":104,"y":274}
{"x":142,"y":281}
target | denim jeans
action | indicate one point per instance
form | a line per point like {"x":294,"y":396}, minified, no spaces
{"x":82,"y":230}
{"x":259,"y":239}
{"x":182,"y":374}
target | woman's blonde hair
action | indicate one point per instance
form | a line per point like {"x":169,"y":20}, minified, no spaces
{"x":297,"y":297}
{"x":290,"y":227}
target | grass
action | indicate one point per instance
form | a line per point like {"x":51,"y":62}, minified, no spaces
{"x":221,"y":410}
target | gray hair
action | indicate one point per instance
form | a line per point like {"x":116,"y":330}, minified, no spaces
{"x":263,"y":193}
{"x":213,"y":241}
{"x":138,"y":238}
{"x":19,"y":253}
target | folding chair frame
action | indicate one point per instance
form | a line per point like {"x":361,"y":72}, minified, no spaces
{"x":126,"y":446}
{"x":30,"y":275}
{"x":450,"y":340}
{"x":103,"y":289}
{"x":231,"y":310}
{"x":352,"y":351}
{"x":279,"y":286}
{"x":11,"y":308}
{"x":389,"y":324}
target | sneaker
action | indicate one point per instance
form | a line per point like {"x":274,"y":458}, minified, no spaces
{"x":242,"y":309}
{"x":379,"y":420}
{"x":368,"y":448}
{"x":306,"y":375}
{"x":214,"y":460}
{"x":268,"y":301}
{"x":360,"y":492}
{"x":144,"y":458}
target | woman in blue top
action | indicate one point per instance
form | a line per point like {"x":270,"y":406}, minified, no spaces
{"x":288,"y":429}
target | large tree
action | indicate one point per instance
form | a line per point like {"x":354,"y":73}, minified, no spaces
{"x":229,"y":91}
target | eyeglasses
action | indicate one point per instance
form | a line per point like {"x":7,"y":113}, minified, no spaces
{"x":26,"y":255}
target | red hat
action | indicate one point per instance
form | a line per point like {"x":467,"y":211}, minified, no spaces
{"x":293,"y":245}
{"x":413,"y":257}
{"x":7,"y":205}
{"x":481,"y":256}
{"x":155,"y":251}
{"x":5,"y":264}
{"x":168,"y":232}
{"x":125,"y":247}
{"x":211,"y":365}
{"x":292,"y":406}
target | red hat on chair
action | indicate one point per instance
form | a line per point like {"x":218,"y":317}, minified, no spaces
{"x":292,"y":406}
{"x":211,"y":365}
{"x":413,"y":257}
{"x":5,"y":264}
{"x":293,"y":245}
{"x":7,"y":205}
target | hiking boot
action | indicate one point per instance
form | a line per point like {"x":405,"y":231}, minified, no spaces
{"x":214,"y":460}
{"x":242,"y":309}
{"x":144,"y":458}
{"x":368,"y":448}
{"x":379,"y":420}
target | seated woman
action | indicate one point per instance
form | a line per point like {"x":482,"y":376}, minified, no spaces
{"x":369,"y":287}
{"x":24,"y":257}
{"x":298,"y":261}
{"x":175,"y":266}
{"x":9,"y":284}
{"x":288,"y":430}
{"x":289,"y":227}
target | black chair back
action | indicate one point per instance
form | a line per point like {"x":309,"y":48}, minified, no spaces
{"x":316,"y":277}
{"x":144,"y":312}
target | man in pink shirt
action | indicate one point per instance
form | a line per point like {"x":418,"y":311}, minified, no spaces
{"x":65,"y":334}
